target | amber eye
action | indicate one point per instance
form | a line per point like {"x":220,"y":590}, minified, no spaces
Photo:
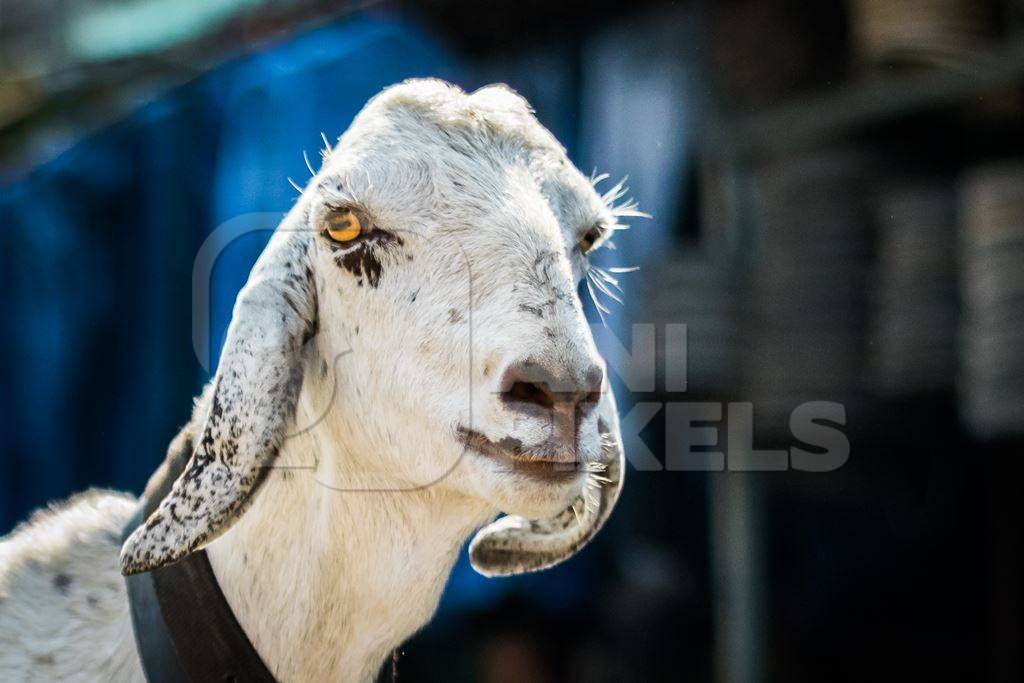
{"x":343,"y":225}
{"x":589,"y":239}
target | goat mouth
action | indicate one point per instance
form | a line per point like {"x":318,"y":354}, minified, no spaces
{"x":547,"y":463}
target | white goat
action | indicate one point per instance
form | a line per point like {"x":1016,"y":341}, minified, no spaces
{"x":408,"y":359}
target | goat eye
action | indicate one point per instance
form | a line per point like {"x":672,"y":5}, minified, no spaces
{"x":343,"y":225}
{"x":589,"y":239}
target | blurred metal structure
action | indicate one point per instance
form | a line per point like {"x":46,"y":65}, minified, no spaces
{"x":920,"y":32}
{"x":809,"y":120}
{"x":913,"y":317}
{"x":992,"y":264}
{"x":737,"y":556}
{"x":743,"y":151}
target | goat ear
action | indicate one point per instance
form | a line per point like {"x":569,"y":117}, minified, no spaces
{"x":515,"y":545}
{"x":254,"y":395}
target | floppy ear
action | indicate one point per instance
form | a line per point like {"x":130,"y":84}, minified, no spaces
{"x":516,"y":545}
{"x":252,"y":403}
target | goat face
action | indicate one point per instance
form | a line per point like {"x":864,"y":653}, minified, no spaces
{"x":422,"y":294}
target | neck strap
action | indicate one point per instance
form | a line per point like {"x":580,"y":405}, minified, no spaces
{"x":184,"y":628}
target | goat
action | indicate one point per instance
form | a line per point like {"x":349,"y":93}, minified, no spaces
{"x":408,"y":360}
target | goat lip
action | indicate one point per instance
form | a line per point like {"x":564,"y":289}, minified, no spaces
{"x":548,"y":464}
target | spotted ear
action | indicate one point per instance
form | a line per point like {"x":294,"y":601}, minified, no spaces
{"x":253,"y":401}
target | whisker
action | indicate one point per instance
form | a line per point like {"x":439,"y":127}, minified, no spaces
{"x":615,"y":192}
{"x":620,"y":206}
{"x":590,"y":497}
{"x":601,"y":310}
{"x":325,"y":153}
{"x":603,"y":274}
{"x":630,"y":212}
{"x":603,"y":287}
{"x":305,"y":157}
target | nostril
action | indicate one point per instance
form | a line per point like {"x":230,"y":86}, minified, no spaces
{"x":530,"y":384}
{"x":528,"y":392}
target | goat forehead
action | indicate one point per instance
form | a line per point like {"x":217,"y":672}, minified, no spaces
{"x":491,"y":111}
{"x":444,"y":143}
{"x":491,"y":187}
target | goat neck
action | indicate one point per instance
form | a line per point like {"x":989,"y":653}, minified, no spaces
{"x":327,"y":582}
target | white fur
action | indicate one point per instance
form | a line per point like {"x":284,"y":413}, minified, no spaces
{"x":63,"y":606}
{"x":344,"y":551}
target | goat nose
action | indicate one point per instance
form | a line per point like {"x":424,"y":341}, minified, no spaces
{"x":527,"y":385}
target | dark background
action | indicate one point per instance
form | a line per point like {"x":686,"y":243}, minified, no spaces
{"x":838,"y":200}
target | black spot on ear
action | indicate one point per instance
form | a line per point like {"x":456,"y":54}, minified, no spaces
{"x":216,"y":409}
{"x":62,"y":582}
{"x":172,"y":509}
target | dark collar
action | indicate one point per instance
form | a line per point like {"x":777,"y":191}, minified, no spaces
{"x":184,"y":627}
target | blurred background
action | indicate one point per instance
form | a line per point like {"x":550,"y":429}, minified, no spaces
{"x":838,"y":200}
